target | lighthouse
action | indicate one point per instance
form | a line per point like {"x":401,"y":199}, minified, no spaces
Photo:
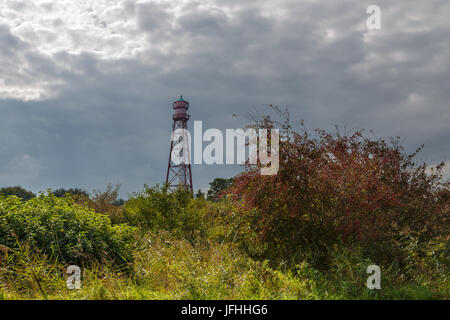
{"x":179,"y":174}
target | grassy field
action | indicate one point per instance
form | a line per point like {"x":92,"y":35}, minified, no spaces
{"x":174,"y":269}
{"x":166,"y":262}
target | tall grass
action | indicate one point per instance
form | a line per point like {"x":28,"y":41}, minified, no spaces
{"x":211,"y":259}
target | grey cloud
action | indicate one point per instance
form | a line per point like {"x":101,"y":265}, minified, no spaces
{"x":152,"y":16}
{"x":109,"y":117}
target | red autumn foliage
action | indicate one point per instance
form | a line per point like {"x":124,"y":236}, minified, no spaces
{"x":333,"y":187}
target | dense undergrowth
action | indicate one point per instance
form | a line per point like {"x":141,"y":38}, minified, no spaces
{"x":337,"y":205}
{"x":205,"y":259}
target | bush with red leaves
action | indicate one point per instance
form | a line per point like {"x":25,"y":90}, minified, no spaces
{"x":334,"y":188}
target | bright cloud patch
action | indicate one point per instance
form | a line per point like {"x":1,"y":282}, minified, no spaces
{"x":107,"y":28}
{"x":36,"y":31}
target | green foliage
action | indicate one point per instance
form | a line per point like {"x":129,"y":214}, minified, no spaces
{"x":200,"y":194}
{"x":106,"y":202}
{"x":166,"y":267}
{"x":64,"y":230}
{"x":61,"y":192}
{"x":29,"y":272}
{"x":168,"y":263}
{"x":217,"y":187}
{"x":156,"y":209}
{"x":18,"y":192}
{"x":347,"y":278}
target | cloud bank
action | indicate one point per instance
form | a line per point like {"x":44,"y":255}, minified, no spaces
{"x":86,"y":86}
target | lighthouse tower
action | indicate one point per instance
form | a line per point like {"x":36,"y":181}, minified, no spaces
{"x":179,"y":174}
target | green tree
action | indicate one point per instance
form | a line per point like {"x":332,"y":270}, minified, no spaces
{"x":17,"y":191}
{"x":61,"y":192}
{"x":119,"y":202}
{"x":200,"y":194}
{"x":217,"y":186}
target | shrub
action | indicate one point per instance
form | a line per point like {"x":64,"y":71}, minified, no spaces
{"x":64,"y":230}
{"x":17,"y":191}
{"x":156,"y":209}
{"x":105,"y":202}
{"x":334,"y":188}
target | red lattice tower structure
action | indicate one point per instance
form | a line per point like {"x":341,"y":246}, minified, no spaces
{"x":179,"y":175}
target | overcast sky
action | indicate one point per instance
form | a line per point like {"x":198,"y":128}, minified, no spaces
{"x":86,"y":86}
